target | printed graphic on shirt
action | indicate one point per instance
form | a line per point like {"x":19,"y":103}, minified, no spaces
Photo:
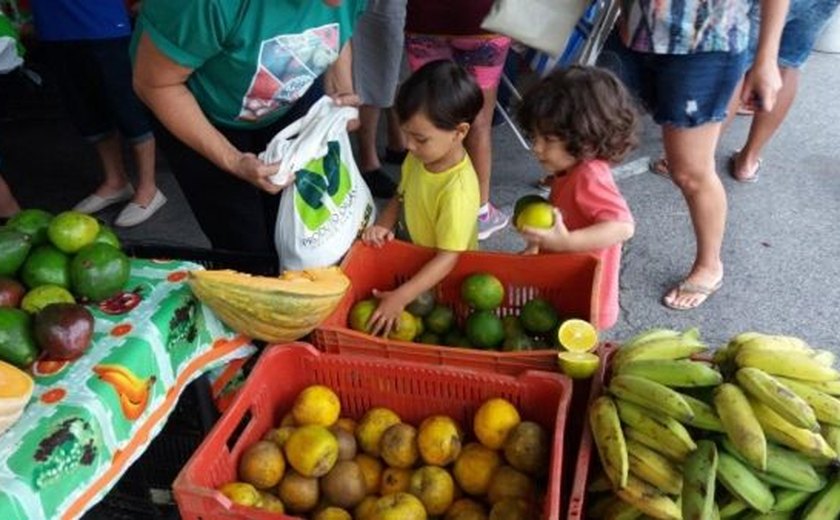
{"x":288,"y":65}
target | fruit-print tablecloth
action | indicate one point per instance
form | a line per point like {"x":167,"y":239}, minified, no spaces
{"x":88,"y":420}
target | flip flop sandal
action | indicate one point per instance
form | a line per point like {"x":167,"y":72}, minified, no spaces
{"x":685,"y":287}
{"x":745,"y":180}
{"x":659,"y":167}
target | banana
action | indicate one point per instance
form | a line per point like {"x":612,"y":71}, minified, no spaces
{"x":678,"y":347}
{"x":651,"y":395}
{"x":653,"y":468}
{"x":742,"y":483}
{"x":733,"y":508}
{"x":609,"y":439}
{"x":649,"y":335}
{"x":705,"y":417}
{"x":779,"y":397}
{"x":831,"y":434}
{"x":826,"y":408}
{"x":772,"y":515}
{"x":673,"y":451}
{"x":621,"y":510}
{"x":788,"y":363}
{"x":788,"y":500}
{"x":675,"y":373}
{"x":740,"y":424}
{"x":671,"y":436}
{"x":649,"y":500}
{"x":784,"y":468}
{"x":759,"y":341}
{"x":826,"y":357}
{"x":827,"y":387}
{"x":786,"y":434}
{"x":826,"y":504}
{"x":699,"y":473}
{"x":599,"y":483}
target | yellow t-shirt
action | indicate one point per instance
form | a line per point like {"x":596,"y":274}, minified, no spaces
{"x":441,"y":209}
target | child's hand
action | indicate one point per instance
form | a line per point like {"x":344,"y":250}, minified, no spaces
{"x":377,"y":236}
{"x":387,"y":314}
{"x":553,"y":239}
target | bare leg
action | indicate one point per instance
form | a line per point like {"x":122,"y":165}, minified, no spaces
{"x":764,"y":126}
{"x":144,"y":159}
{"x":111,"y":157}
{"x":479,"y":143}
{"x":691,"y":157}
{"x":8,"y":203}
{"x":369,"y":122}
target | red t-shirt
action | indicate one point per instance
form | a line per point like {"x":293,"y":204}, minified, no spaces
{"x":586,"y":195}
{"x":449,"y":17}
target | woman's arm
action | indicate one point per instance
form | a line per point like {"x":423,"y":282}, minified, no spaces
{"x":392,"y":303}
{"x":763,"y":81}
{"x":162,"y":85}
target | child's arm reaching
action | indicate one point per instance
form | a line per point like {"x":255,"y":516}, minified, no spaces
{"x":382,"y":231}
{"x":591,"y":238}
{"x":392,"y":303}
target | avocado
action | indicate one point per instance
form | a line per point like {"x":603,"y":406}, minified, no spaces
{"x":17,"y":346}
{"x":14,"y":246}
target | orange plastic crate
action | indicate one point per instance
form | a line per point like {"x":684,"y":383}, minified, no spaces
{"x":569,"y":281}
{"x":414,"y":391}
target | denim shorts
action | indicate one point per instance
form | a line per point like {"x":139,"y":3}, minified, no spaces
{"x":94,"y":78}
{"x":679,"y":90}
{"x":805,"y":21}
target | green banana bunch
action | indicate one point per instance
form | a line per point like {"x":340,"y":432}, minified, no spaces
{"x":733,"y":508}
{"x":669,"y":436}
{"x":789,"y":500}
{"x":785,"y":468}
{"x":779,"y":397}
{"x":826,"y":504}
{"x":649,"y":500}
{"x":674,"y":451}
{"x":599,"y":483}
{"x":653,"y":468}
{"x":609,"y":440}
{"x":825,"y":407}
{"x":705,"y":417}
{"x":651,"y":395}
{"x":757,"y":341}
{"x":827,"y":387}
{"x":699,"y":474}
{"x":831,"y":434}
{"x":669,"y":347}
{"x":787,"y":363}
{"x":742,"y":483}
{"x":674,"y":373}
{"x":621,"y":510}
{"x":800,"y":439}
{"x":772,"y":515}
{"x":649,"y":335}
{"x":741,"y":425}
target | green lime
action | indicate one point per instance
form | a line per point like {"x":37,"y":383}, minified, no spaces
{"x":578,"y":365}
{"x":43,"y":295}
{"x":538,"y":215}
{"x":429,"y":338}
{"x":98,"y":271}
{"x":482,"y":291}
{"x":517,"y":343}
{"x":423,"y":304}
{"x":513,"y":326}
{"x":46,"y":265}
{"x":538,"y":316}
{"x":524,"y":201}
{"x":577,"y":335}
{"x":440,"y":320}
{"x":456,"y":338}
{"x":484,"y":329}
{"x":360,"y":314}
{"x":70,"y":231}
{"x":106,"y":235}
{"x":405,"y":329}
{"x":33,"y":222}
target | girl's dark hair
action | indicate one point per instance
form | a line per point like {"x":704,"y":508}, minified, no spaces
{"x":587,"y":108}
{"x":444,"y":91}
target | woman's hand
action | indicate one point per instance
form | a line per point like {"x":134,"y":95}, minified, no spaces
{"x":377,"y":236}
{"x":387,"y":314}
{"x":249,"y":168}
{"x":552,"y":239}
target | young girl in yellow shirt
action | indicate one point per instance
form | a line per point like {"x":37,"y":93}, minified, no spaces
{"x":438,"y":194}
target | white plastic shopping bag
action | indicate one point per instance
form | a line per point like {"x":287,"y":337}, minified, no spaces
{"x":329,"y":204}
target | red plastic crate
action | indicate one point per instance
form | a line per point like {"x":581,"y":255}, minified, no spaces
{"x":577,"y":498}
{"x":414,"y":391}
{"x":569,"y":281}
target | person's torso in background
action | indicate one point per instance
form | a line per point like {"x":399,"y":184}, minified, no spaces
{"x":685,"y":26}
{"x":68,"y":20}
{"x":251,"y":59}
{"x":449,"y":17}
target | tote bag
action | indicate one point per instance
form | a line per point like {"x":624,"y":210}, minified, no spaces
{"x":544,"y":25}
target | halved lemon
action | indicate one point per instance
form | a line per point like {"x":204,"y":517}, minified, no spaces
{"x":578,"y":365}
{"x":577,"y":335}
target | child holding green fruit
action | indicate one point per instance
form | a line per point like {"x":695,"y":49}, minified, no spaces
{"x":581,"y":120}
{"x":438,"y":192}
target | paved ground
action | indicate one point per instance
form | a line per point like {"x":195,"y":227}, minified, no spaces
{"x":781,"y":248}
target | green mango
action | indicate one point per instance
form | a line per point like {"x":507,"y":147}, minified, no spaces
{"x":17,"y":346}
{"x":14,"y":248}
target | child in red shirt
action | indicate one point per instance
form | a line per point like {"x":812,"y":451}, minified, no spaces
{"x":581,"y":120}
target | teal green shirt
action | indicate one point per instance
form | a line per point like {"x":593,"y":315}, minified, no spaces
{"x":251,"y":59}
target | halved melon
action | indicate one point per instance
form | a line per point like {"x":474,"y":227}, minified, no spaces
{"x":15,"y":389}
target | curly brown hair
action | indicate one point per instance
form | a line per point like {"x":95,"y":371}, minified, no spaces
{"x":587,"y":108}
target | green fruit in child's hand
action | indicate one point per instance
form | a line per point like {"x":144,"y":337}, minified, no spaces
{"x":523,"y":202}
{"x":539,"y":215}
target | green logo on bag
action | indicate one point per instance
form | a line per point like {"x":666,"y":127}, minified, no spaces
{"x":321,"y":180}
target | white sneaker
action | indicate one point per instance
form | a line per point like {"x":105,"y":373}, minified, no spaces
{"x":134,"y":213}
{"x":492,"y":221}
{"x":93,"y":202}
